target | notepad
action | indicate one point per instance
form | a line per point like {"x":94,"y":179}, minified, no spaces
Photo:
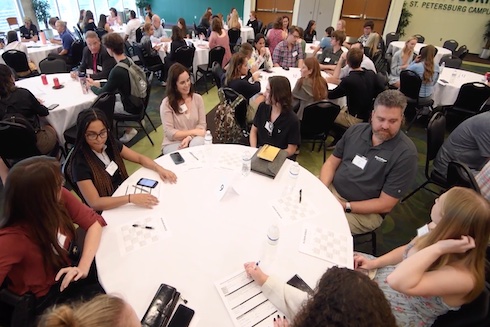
{"x":268,"y":152}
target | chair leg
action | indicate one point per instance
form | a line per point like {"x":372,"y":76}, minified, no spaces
{"x":152,"y":125}
{"x":147,"y":135}
{"x":413,"y":121}
{"x":414,"y":191}
{"x":324,"y":151}
{"x":205,"y":83}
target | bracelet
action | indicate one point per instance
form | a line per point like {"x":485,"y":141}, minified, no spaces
{"x":129,"y":198}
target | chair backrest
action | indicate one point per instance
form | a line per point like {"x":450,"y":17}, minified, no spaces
{"x":201,"y":30}
{"x":11,"y":21}
{"x":100,"y":32}
{"x":318,"y":118}
{"x":461,"y":52}
{"x":410,"y":84}
{"x":216,"y":54}
{"x":390,"y":37}
{"x":185,"y":56}
{"x":139,"y":35}
{"x":240,"y":110}
{"x":451,"y":61}
{"x":77,"y":51}
{"x":217,"y":72}
{"x":52,"y":66}
{"x":472,"y":96}
{"x":458,"y":174}
{"x":234,"y":34}
{"x":66,"y":170}
{"x":420,"y":38}
{"x":451,"y":45}
{"x":22,"y":142}
{"x":17,"y":60}
{"x":78,"y":33}
{"x":436,"y":130}
{"x":105,"y":102}
{"x":139,"y":53}
{"x":259,"y":27}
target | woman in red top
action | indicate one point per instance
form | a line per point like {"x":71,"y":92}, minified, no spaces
{"x":276,"y":34}
{"x":36,"y":234}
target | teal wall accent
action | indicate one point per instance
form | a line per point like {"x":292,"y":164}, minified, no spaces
{"x":172,"y":10}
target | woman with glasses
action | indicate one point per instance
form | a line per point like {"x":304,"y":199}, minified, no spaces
{"x":37,"y":235}
{"x":98,"y":167}
{"x":275,"y":123}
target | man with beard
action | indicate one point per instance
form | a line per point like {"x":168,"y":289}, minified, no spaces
{"x":372,"y":165}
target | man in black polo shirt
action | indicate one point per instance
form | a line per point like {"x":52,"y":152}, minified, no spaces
{"x":28,"y":32}
{"x":95,"y":60}
{"x":372,"y":165}
{"x":360,"y":87}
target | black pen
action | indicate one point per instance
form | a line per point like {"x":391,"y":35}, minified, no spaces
{"x":192,"y":154}
{"x":300,"y":195}
{"x":146,"y":227}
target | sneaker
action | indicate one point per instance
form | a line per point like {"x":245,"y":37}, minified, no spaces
{"x":128,"y":136}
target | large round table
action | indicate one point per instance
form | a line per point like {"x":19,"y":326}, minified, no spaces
{"x":445,"y":94}
{"x":246,"y":32}
{"x":37,"y":51}
{"x":397,"y":45}
{"x":201,"y":55}
{"x":70,"y":99}
{"x":209,"y":239}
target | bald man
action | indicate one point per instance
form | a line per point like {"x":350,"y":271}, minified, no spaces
{"x":159,"y":35}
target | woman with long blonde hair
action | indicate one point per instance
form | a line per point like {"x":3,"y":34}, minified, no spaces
{"x":234,"y":20}
{"x":401,"y":60}
{"x":372,"y":43}
{"x":311,"y":86}
{"x":428,"y":71}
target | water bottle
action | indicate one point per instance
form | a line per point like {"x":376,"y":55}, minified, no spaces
{"x":42,"y":36}
{"x":273,"y":234}
{"x":193,"y":35}
{"x":293,"y":176}
{"x":246,"y":163}
{"x":208,"y":142}
{"x":83,"y":82}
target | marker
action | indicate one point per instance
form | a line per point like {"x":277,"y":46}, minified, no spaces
{"x":192,"y":154}
{"x":140,"y":226}
{"x":140,"y":188}
{"x":257,"y":264}
{"x":300,"y":195}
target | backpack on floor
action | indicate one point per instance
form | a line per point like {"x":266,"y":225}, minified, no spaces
{"x":227,"y":129}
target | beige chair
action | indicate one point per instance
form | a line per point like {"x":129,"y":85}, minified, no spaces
{"x":13,"y":23}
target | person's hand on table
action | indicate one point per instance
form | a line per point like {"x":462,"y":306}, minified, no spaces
{"x":281,"y":322}
{"x":256,"y":76}
{"x":185,"y":142}
{"x":41,"y":101}
{"x":157,"y":47}
{"x":91,"y":82}
{"x":144,"y":200}
{"x":73,"y":74}
{"x":166,"y":175}
{"x":72,"y":274}
{"x":361,"y":262}
{"x":256,"y":273}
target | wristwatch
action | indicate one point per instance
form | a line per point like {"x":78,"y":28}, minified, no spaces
{"x":348,"y":208}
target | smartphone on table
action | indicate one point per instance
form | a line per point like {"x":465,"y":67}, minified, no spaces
{"x":182,"y":317}
{"x":145,"y":182}
{"x":177,"y":158}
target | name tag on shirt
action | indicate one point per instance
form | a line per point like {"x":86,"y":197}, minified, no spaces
{"x":295,"y":53}
{"x":99,"y":68}
{"x":111,"y":168}
{"x":327,"y":60}
{"x":359,"y":161}
{"x":183,"y":108}
{"x":89,"y":71}
{"x":269,"y":126}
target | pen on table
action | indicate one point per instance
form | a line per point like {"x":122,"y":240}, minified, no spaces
{"x":140,"y":188}
{"x":257,"y":264}
{"x":192,"y":154}
{"x":127,"y":187}
{"x":300,"y":195}
{"x":146,"y":227}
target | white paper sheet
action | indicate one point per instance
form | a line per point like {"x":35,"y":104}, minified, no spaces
{"x":141,"y":233}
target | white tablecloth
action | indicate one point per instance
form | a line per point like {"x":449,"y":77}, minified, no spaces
{"x":446,"y":94}
{"x":37,"y":51}
{"x":211,"y":239}
{"x":246,"y":32}
{"x":310,"y":48}
{"x":293,"y":74}
{"x":119,"y":29}
{"x":70,"y":99}
{"x":201,"y":56}
{"x":397,"y":45}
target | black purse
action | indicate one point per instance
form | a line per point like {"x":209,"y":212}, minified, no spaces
{"x":161,"y":307}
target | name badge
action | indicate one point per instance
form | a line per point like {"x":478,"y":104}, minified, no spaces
{"x":423,"y":230}
{"x":111,"y":168}
{"x":359,"y":161}
{"x":183,"y":108}
{"x":295,"y":53}
{"x":99,"y":68}
{"x":89,"y":71}
{"x":327,"y":59}
{"x":269,"y":126}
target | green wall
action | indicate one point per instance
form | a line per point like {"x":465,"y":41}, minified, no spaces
{"x":172,"y":10}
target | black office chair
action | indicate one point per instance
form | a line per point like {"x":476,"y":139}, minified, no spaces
{"x":21,"y":144}
{"x":215,"y":54}
{"x":23,"y":307}
{"x":410,"y":84}
{"x":137,"y":118}
{"x":66,"y":170}
{"x":436,"y":130}
{"x":53,"y":66}
{"x":461,"y":52}
{"x":77,"y":52}
{"x":260,"y":24}
{"x":139,"y":34}
{"x":218,"y":73}
{"x":152,"y":64}
{"x":390,"y":37}
{"x":185,"y":56}
{"x":105,"y":102}
{"x":420,"y":38}
{"x":78,"y":32}
{"x":17,"y":60}
{"x":233,"y":35}
{"x":451,"y":45}
{"x":458,"y":174}
{"x":318,"y":119}
{"x":471,"y":98}
{"x":100,"y":32}
{"x":451,"y":61}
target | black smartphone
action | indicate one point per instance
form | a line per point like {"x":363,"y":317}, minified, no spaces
{"x":268,"y":71}
{"x":182,"y":317}
{"x":285,"y":68}
{"x":145,"y":182}
{"x":177,"y":158}
{"x":299,"y":283}
{"x":51,"y":107}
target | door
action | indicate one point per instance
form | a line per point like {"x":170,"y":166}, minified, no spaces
{"x":324,"y":17}
{"x":307,"y":11}
{"x":357,"y":12}
{"x":268,"y":10}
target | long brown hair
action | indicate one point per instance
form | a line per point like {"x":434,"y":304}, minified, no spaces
{"x":7,"y":84}
{"x":281,"y":92}
{"x":427,"y":55}
{"x":102,"y":180}
{"x":464,"y":212}
{"x":318,"y":83}
{"x":217,"y":25}
{"x":32,"y":192}
{"x":233,"y":71}
{"x":173,"y":93}
{"x":345,"y":297}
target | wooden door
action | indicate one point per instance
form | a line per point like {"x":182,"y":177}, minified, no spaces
{"x":357,"y":12}
{"x":268,"y":10}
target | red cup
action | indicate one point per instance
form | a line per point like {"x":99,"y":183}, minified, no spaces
{"x":44,"y":79}
{"x":56,"y":82}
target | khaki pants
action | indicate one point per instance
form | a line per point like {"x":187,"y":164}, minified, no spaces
{"x":345,"y":119}
{"x":359,"y":223}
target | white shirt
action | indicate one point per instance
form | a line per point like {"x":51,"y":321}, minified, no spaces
{"x":366,"y":64}
{"x":131,"y":28}
{"x":16,"y":45}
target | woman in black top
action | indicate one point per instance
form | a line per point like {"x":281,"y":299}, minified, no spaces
{"x":88,"y":22}
{"x":98,"y":167}
{"x":253,"y":22}
{"x":177,"y":42}
{"x":21,"y":102}
{"x":310,"y":31}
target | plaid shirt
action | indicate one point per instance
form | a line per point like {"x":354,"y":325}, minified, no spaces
{"x":285,"y":57}
{"x":483,"y":180}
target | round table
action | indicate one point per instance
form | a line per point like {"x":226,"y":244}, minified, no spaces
{"x":201,"y":55}
{"x":209,"y":239}
{"x":37,"y":51}
{"x":397,"y":45}
{"x":119,"y":29}
{"x":310,"y":48}
{"x":70,"y":99}
{"x":246,"y":32}
{"x":445,"y":94}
